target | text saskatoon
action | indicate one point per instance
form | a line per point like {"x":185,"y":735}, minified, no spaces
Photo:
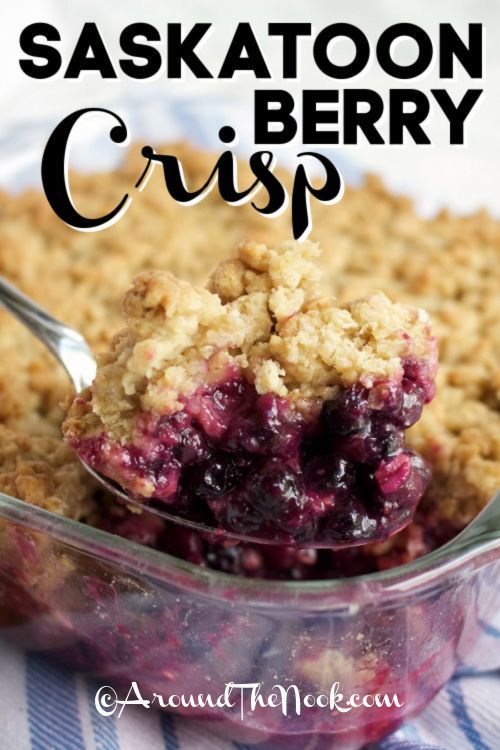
{"x":326,"y":116}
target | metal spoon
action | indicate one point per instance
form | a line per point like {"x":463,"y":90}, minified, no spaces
{"x":72,"y":351}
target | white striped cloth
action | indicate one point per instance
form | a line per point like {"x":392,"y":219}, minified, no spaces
{"x":45,"y":707}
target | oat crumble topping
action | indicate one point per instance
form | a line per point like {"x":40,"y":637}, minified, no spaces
{"x":372,"y":240}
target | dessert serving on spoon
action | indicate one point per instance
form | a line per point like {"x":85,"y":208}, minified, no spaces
{"x":259,"y":408}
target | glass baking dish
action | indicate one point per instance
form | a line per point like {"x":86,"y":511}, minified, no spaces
{"x":122,"y":612}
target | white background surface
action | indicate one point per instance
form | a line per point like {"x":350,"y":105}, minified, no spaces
{"x":463,"y":178}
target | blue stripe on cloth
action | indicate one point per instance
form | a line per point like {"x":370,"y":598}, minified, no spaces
{"x":168,"y":732}
{"x":52,"y":706}
{"x":461,"y":671}
{"x":489,"y":629}
{"x":464,"y":721}
{"x":410,"y":732}
{"x":103,"y":727}
{"x":239,"y":746}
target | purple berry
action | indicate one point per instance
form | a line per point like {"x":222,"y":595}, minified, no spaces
{"x":214,"y":477}
{"x":278,"y":494}
{"x":346,"y":414}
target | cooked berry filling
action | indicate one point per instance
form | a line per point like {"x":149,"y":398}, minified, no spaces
{"x":424,"y":534}
{"x":255,"y":465}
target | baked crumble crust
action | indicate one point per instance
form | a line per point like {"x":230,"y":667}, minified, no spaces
{"x":44,"y":472}
{"x":372,"y":239}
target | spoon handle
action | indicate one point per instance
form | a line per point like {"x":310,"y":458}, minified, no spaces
{"x":68,"y":346}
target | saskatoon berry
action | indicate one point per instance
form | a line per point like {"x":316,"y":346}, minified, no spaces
{"x":214,"y":477}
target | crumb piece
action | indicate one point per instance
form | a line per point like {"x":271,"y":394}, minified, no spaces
{"x":44,"y":472}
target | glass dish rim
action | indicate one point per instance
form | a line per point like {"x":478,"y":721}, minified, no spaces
{"x":420,"y":574}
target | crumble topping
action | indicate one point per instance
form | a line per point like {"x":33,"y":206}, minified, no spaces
{"x":265,"y":315}
{"x":371,"y":240}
